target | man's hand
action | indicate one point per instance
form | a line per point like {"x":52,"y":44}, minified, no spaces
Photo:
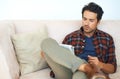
{"x":93,"y":60}
{"x":97,"y":65}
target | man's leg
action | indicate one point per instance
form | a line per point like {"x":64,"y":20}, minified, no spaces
{"x":79,"y":75}
{"x":61,"y":60}
{"x":61,"y":55}
{"x":60,"y":71}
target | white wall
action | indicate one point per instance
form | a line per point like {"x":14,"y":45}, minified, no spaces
{"x":54,"y":9}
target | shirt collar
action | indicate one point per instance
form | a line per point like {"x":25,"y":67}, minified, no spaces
{"x":95,"y":33}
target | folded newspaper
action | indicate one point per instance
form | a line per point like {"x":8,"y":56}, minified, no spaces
{"x":70,"y":47}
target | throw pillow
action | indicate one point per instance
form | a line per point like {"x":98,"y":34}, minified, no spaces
{"x":28,"y":49}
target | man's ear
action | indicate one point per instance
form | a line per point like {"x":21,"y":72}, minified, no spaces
{"x":99,"y":22}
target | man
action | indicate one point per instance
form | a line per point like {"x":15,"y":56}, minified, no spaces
{"x":94,"y":49}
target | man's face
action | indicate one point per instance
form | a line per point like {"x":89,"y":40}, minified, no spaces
{"x":89,"y":22}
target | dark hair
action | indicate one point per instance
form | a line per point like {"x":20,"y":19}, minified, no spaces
{"x":93,"y":7}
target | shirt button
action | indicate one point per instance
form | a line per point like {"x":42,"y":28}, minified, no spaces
{"x":83,"y":40}
{"x":82,"y":46}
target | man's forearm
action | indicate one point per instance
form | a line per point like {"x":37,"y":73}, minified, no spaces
{"x":107,"y":68}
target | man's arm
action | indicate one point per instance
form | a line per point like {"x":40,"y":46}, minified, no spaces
{"x":105,"y":67}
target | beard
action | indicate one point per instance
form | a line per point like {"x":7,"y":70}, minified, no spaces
{"x":88,"y":30}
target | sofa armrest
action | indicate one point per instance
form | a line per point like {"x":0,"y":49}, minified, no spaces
{"x":9,"y":68}
{"x":4,"y":70}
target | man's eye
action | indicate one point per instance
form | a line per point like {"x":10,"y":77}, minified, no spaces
{"x":91,"y":20}
{"x":84,"y":19}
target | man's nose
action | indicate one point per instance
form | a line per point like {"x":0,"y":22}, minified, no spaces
{"x":86,"y":22}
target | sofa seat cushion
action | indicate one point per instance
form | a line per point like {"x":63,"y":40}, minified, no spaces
{"x":42,"y":74}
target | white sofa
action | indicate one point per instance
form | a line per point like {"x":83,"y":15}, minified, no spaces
{"x":57,"y":29}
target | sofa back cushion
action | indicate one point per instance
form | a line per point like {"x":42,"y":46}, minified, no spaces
{"x":28,"y":26}
{"x":58,"y":29}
